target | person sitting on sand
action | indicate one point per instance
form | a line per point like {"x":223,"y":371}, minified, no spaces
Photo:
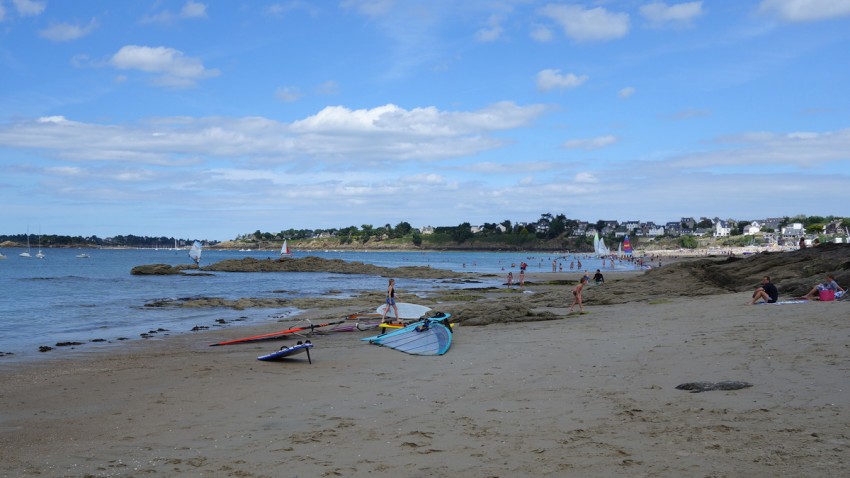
{"x":767,"y":292}
{"x":830,"y":284}
{"x":577,"y":295}
{"x":598,"y":277}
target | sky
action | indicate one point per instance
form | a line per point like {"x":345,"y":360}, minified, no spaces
{"x":212,"y":119}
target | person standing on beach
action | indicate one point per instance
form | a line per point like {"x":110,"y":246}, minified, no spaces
{"x":598,"y":278}
{"x":521,"y":277}
{"x":767,"y":292}
{"x":510,"y":278}
{"x":390,"y":302}
{"x":577,"y":295}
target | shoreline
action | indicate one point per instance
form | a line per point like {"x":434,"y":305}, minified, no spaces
{"x":578,"y":395}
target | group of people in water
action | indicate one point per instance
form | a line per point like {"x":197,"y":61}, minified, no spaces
{"x":826,"y":291}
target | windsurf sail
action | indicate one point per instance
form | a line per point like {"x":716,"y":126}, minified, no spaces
{"x":426,"y":337}
{"x":284,"y":249}
{"x":309,"y":327}
{"x":195,"y":252}
{"x":627,"y":246}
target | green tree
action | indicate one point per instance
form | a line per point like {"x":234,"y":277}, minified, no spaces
{"x":462,"y":233}
{"x":688,"y":242}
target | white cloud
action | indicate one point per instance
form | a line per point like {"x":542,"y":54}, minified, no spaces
{"x":372,"y":8}
{"x":329,"y":87}
{"x":586,"y":178}
{"x":2,"y":12}
{"x":173,"y":67}
{"x":626,"y":92}
{"x":193,"y":10}
{"x":551,"y":79}
{"x":492,"y":32}
{"x":542,"y":34}
{"x":29,"y":8}
{"x":805,"y":150}
{"x":190,"y":10}
{"x":60,"y":32}
{"x":659,"y":13}
{"x":288,"y":94}
{"x":581,"y":24}
{"x":333,"y":135}
{"x":805,"y":10}
{"x":591,"y":143}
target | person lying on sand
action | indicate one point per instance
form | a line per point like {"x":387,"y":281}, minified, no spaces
{"x":767,"y":292}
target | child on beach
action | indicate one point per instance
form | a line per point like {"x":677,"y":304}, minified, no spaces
{"x":390,"y":302}
{"x":510,"y":279}
{"x":577,"y":295}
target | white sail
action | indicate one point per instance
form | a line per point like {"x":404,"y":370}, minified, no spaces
{"x":599,"y":247}
{"x":27,"y":253}
{"x":284,"y":249}
{"x":195,"y":252}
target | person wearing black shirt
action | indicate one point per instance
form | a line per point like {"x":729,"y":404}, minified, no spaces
{"x":767,"y":292}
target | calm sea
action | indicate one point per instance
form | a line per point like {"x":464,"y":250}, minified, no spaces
{"x":64,"y":298}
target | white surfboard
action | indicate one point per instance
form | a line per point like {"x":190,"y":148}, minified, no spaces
{"x":405,"y":310}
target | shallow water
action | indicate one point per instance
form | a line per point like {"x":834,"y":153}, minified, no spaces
{"x":63,"y":298}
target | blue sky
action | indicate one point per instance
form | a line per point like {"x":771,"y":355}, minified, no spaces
{"x":210,"y":119}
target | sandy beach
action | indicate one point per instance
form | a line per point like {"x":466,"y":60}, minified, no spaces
{"x":580,"y":395}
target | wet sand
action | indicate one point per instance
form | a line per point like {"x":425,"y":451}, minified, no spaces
{"x":552,"y":395}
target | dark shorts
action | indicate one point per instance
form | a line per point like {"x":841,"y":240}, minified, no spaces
{"x":390,"y":301}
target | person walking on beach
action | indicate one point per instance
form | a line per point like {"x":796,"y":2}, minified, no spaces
{"x":577,"y":295}
{"x":767,"y":292}
{"x":390,"y":302}
{"x":521,"y":277}
{"x":510,"y":278}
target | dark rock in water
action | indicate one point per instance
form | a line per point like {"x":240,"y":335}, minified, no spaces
{"x":156,"y":269}
{"x":696,"y":387}
{"x":3,"y":354}
{"x":45,"y":348}
{"x":67,"y":344}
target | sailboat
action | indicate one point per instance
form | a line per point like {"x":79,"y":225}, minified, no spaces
{"x":627,"y":246}
{"x":599,"y":247}
{"x":27,"y":254}
{"x":40,"y":254}
{"x":284,"y":249}
{"x":195,"y":253}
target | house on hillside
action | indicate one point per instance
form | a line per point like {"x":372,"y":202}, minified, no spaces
{"x":673,"y":228}
{"x":752,"y":228}
{"x":722,"y":228}
{"x":793,"y":231}
{"x":426,"y":230}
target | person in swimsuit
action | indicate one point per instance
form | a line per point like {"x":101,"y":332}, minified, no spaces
{"x":390,"y":302}
{"x":577,"y":295}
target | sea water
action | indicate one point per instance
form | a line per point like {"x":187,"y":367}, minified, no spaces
{"x":66,"y":298}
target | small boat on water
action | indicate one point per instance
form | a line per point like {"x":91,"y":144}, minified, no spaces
{"x":83,"y":256}
{"x":284,"y":249}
